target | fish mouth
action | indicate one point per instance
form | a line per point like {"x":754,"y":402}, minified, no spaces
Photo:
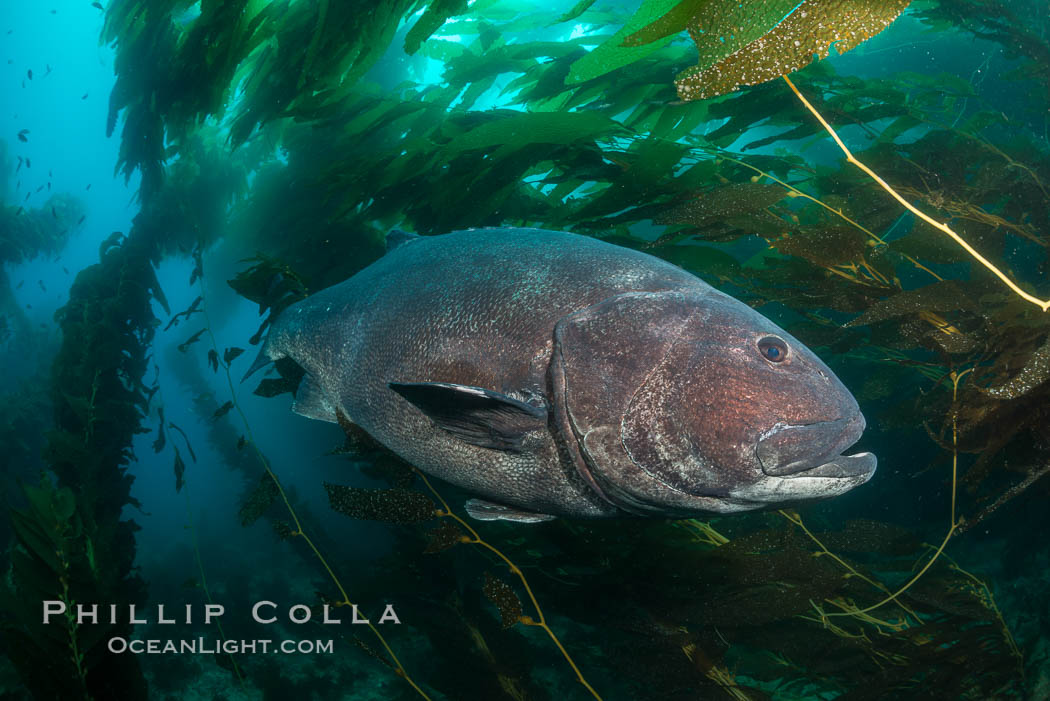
{"x":815,"y":450}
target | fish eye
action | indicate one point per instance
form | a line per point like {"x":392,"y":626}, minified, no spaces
{"x":773,"y":349}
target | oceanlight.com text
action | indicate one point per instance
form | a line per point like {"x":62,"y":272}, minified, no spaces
{"x":212,"y":646}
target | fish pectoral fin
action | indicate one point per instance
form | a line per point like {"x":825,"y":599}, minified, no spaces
{"x":474,"y":415}
{"x":490,"y":511}
{"x":311,"y":401}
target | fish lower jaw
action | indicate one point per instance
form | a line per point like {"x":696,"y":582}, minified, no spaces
{"x":824,"y":481}
{"x":842,"y":467}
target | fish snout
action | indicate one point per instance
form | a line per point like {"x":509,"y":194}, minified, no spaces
{"x":786,"y":449}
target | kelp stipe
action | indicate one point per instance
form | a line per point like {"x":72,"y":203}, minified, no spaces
{"x":49,"y":534}
{"x":403,"y":506}
{"x":1043,"y":305}
{"x":505,"y":600}
{"x":99,"y":397}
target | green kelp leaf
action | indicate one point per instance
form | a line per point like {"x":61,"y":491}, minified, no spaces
{"x":727,"y":201}
{"x":877,"y":386}
{"x":373,"y":653}
{"x":223,"y":410}
{"x":942,"y":296}
{"x":392,"y":505}
{"x":198,"y":266}
{"x":487,"y":35}
{"x":646,"y":173}
{"x":577,"y":10}
{"x":787,"y":44}
{"x":677,"y":19}
{"x":261,"y":498}
{"x":611,"y":54}
{"x":159,"y":443}
{"x":283,"y":529}
{"x":705,"y":261}
{"x":444,"y":51}
{"x":828,"y":246}
{"x":719,"y":27}
{"x":35,"y":538}
{"x":89,"y":552}
{"x":432,"y":20}
{"x":230,"y":354}
{"x":870,"y":536}
{"x":213,"y":360}
{"x":154,"y":285}
{"x":444,"y":537}
{"x":180,"y":470}
{"x":56,"y":504}
{"x":186,"y":313}
{"x":184,"y":346}
{"x":954,"y":341}
{"x":929,"y":245}
{"x":270,"y":283}
{"x":675,"y":121}
{"x":32,"y":574}
{"x":528,"y":128}
{"x":499,"y":593}
{"x":827,"y":335}
{"x":1034,"y":373}
{"x":761,"y":223}
{"x":898,"y":126}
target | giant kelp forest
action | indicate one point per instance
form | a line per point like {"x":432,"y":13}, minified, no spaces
{"x":299,"y":132}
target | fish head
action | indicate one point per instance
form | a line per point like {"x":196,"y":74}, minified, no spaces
{"x":681,"y":403}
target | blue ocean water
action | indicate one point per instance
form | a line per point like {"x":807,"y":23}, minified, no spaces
{"x":292,"y":136}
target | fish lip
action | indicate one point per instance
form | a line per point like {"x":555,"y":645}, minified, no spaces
{"x":831,"y":462}
{"x":858,"y":465}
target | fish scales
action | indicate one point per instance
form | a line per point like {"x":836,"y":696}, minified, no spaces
{"x":481,"y":358}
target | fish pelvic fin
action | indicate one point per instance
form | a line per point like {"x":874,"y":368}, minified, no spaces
{"x":490,"y":511}
{"x":312,"y":402}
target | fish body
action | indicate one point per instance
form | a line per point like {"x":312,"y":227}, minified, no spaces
{"x":552,"y":374}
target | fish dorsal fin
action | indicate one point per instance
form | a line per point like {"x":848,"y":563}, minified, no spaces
{"x":490,"y":511}
{"x":474,"y":415}
{"x":396,"y":238}
{"x":311,"y":401}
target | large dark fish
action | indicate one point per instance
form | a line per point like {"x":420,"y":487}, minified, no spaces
{"x":557,"y":375}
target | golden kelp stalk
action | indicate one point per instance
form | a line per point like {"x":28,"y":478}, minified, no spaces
{"x":1044,"y":305}
{"x":498,"y":592}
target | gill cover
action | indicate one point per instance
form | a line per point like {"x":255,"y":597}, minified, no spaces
{"x":610,"y":374}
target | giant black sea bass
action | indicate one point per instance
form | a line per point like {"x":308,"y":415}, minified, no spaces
{"x":552,"y":374}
